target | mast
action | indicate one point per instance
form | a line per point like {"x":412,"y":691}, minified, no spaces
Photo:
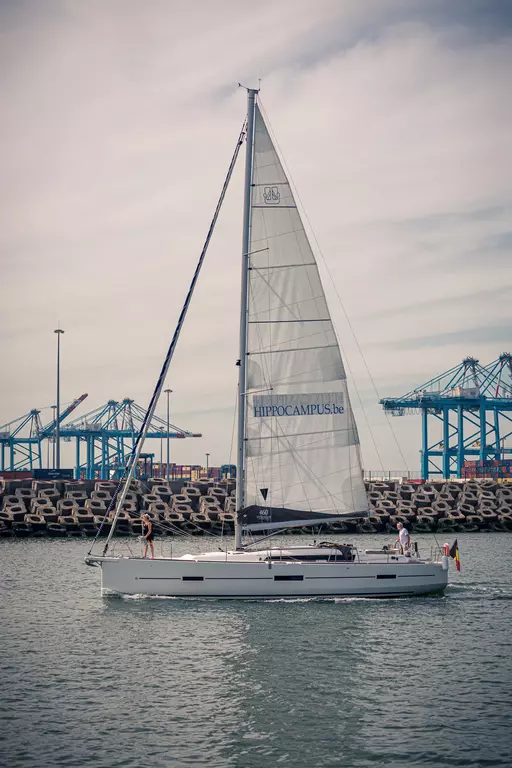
{"x":240,"y":461}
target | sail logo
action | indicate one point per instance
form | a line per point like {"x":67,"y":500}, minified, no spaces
{"x":321,"y":404}
{"x":271,"y":195}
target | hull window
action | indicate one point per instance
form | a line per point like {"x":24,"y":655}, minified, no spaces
{"x":386,"y":576}
{"x":192,"y":578}
{"x":292,"y":577}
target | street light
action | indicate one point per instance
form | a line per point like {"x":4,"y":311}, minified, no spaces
{"x":168,"y":392}
{"x":52,"y":441}
{"x":207,"y":457}
{"x":58,"y":331}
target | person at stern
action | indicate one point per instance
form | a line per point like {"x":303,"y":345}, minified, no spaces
{"x":404,"y":540}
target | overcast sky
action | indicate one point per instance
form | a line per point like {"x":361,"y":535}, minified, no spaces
{"x":118,"y":120}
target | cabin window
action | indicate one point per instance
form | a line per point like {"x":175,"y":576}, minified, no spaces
{"x":339,"y":558}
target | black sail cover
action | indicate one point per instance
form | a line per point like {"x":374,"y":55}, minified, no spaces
{"x":302,"y":453}
{"x":256,"y":518}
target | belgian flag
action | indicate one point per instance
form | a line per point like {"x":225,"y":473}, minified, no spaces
{"x":454,"y":552}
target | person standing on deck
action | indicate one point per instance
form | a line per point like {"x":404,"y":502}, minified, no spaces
{"x":148,"y":535}
{"x":403,"y":538}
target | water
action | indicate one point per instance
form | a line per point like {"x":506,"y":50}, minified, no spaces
{"x":108,"y":682}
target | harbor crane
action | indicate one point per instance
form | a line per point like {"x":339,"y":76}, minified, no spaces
{"x":107,"y":433}
{"x":25,"y":450}
{"x":466,"y":414}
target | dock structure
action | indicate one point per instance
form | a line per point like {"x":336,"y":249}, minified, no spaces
{"x":206,"y":506}
{"x":466,"y":415}
{"x":104,"y":438}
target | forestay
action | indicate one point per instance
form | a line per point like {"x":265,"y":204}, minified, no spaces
{"x":302,"y":446}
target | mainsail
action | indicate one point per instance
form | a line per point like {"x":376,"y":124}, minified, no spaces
{"x":302,"y":456}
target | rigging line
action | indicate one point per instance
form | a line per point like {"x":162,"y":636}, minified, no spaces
{"x":172,"y":527}
{"x":324,"y":432}
{"x":306,"y":372}
{"x":295,"y":190}
{"x":169,"y":527}
{"x":233,"y":428}
{"x":280,"y":235}
{"x":292,"y":349}
{"x":285,"y":266}
{"x":280,"y":298}
{"x":288,"y":305}
{"x":122,"y":488}
{"x":294,"y":339}
{"x":302,"y":320}
{"x":278,"y":532}
{"x":283,"y":303}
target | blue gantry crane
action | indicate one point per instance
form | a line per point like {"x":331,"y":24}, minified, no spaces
{"x":108,"y":434}
{"x":22,"y":438}
{"x":23,"y":450}
{"x":466,"y":414}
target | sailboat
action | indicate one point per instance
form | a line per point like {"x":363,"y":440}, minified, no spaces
{"x":298,"y":452}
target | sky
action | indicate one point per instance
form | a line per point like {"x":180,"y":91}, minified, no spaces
{"x":118,"y":121}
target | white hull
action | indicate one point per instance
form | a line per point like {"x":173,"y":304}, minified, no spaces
{"x":250,"y":575}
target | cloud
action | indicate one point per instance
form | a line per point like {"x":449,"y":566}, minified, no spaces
{"x":118,"y":122}
{"x":449,"y":303}
{"x":495,"y":334}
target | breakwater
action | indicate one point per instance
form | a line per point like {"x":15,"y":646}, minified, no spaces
{"x":61,"y":509}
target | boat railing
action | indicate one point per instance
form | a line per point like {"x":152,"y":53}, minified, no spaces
{"x":436,"y":554}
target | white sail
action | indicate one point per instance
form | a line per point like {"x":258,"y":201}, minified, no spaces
{"x":302,"y":446}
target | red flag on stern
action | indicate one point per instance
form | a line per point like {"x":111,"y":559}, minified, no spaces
{"x":454,"y":552}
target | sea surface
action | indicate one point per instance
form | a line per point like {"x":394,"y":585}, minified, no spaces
{"x":99,"y":681}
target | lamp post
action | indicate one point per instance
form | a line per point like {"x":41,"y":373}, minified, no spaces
{"x":207,"y":457}
{"x":51,"y":439}
{"x":168,"y":392}
{"x":58,"y":331}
